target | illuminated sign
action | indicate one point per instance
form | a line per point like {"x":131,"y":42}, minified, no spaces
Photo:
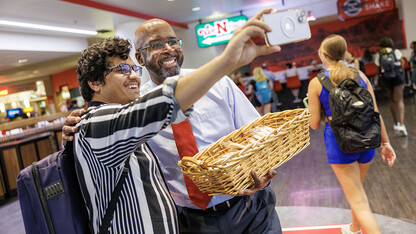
{"x":11,"y":113}
{"x":348,"y":9}
{"x":27,"y":109}
{"x":219,"y":31}
{"x":4,"y":92}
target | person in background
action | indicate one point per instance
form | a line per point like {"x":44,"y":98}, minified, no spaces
{"x":394,"y":85}
{"x":413,"y":63}
{"x":222,"y":110}
{"x":110,"y":82}
{"x":314,"y":69}
{"x":350,"y":169}
{"x":368,"y":57}
{"x":73,"y":105}
{"x":353,"y":62}
{"x":371,"y":70}
{"x":292,"y":71}
{"x":268,"y":73}
{"x":272,"y":78}
{"x":260,"y":89}
{"x":238,"y":80}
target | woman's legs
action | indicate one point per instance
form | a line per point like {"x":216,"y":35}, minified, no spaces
{"x":295,"y":93}
{"x":363,"y":172}
{"x":398,"y":99}
{"x":350,"y":176}
{"x":392,"y":104}
{"x":260,"y":110}
{"x":267,"y":108}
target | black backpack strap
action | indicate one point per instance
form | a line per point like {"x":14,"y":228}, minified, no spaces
{"x":114,"y":197}
{"x":325,"y":81}
{"x":42,"y":198}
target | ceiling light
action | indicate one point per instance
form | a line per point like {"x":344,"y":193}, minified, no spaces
{"x":171,"y":0}
{"x":196,"y":8}
{"x":46,"y":27}
{"x":22,"y":60}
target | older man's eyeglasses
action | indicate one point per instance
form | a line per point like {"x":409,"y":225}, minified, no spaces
{"x":175,"y":43}
{"x":126,"y":69}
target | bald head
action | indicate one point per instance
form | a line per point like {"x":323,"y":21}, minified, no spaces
{"x":161,"y":60}
{"x":149,"y":31}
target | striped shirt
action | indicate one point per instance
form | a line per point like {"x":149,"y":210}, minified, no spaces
{"x":107,"y":135}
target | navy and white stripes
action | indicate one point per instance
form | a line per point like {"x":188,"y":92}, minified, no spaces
{"x":108,"y":135}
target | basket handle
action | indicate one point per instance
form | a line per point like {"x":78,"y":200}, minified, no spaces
{"x":188,"y":162}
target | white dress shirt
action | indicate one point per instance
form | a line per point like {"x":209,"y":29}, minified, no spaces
{"x":222,"y":110}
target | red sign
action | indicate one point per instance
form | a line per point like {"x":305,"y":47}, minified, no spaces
{"x":348,"y":9}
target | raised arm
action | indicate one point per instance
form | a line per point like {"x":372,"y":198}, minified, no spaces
{"x":240,"y":51}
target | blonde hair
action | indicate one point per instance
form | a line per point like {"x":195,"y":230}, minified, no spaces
{"x":335,"y":47}
{"x":259,"y":75}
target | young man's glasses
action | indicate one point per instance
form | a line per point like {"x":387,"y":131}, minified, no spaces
{"x":175,"y":43}
{"x":126,"y":69}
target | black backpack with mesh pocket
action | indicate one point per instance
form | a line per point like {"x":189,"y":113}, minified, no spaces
{"x":389,"y":66}
{"x":355,"y":124}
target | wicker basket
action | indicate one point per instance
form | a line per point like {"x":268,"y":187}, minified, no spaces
{"x":266,"y":143}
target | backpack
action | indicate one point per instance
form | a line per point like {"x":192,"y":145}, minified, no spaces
{"x":263,"y":91}
{"x":388,"y":65}
{"x":50,"y":196}
{"x":355,"y":124}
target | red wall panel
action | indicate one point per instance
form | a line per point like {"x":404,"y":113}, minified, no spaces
{"x":360,"y":33}
{"x":66,"y":77}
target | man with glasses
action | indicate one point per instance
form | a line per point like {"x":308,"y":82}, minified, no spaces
{"x":111,"y":135}
{"x":222,"y":110}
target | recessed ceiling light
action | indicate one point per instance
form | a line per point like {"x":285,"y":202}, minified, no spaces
{"x":22,"y":60}
{"x":171,"y":0}
{"x":196,"y":8}
{"x":46,"y":27}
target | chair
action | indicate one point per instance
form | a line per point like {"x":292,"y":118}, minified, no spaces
{"x":406,"y":71}
{"x":277,"y":87}
{"x":293,"y":83}
{"x":371,"y":70}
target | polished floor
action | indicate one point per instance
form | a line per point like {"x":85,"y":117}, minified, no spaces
{"x":308,"y":192}
{"x":308,"y":180}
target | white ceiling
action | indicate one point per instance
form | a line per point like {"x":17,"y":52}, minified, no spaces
{"x":45,"y":49}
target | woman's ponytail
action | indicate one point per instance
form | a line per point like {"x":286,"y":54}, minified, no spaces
{"x":340,"y":72}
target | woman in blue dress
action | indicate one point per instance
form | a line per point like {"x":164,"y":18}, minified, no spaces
{"x":350,"y":168}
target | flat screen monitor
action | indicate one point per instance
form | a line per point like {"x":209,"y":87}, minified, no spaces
{"x":11,"y":113}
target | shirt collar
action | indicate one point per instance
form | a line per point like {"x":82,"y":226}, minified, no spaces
{"x":95,"y":103}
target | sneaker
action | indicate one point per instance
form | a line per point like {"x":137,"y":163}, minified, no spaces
{"x":396,"y":127}
{"x":347,"y":230}
{"x":402,"y":130}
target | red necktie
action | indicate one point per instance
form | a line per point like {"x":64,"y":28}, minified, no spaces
{"x":186,"y":145}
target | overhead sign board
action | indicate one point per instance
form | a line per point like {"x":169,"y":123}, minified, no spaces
{"x":348,"y":9}
{"x":219,"y":31}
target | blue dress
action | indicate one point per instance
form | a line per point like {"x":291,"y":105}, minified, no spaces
{"x":333,"y":152}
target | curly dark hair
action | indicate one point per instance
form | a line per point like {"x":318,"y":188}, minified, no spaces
{"x":93,"y":62}
{"x":387,"y":42}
